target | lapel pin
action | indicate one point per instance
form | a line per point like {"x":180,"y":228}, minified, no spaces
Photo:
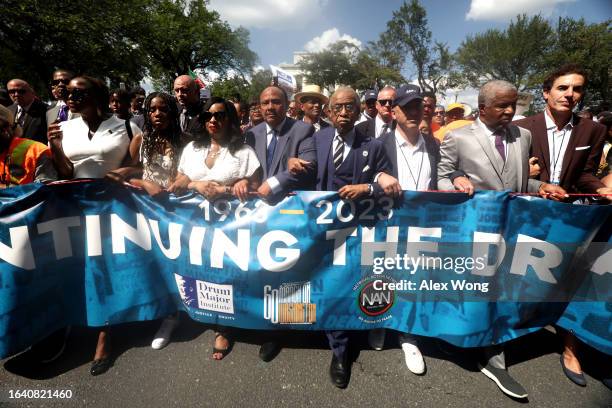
{"x":365,"y":153}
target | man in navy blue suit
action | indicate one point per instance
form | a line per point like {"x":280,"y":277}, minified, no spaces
{"x":348,"y":161}
{"x":278,"y":139}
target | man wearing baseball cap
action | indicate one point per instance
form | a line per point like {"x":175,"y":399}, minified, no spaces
{"x":413,"y":158}
{"x":311,"y":101}
{"x":369,"y":111}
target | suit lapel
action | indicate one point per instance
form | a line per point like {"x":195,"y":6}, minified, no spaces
{"x":541,"y":138}
{"x":323,"y":151}
{"x":515,"y":141}
{"x":359,"y":159}
{"x":283,"y":139}
{"x":261,"y":146}
{"x":481,"y":138}
{"x":393,"y":154}
{"x":571,"y":147}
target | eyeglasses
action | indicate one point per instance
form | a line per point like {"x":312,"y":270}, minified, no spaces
{"x":19,"y":91}
{"x":337,"y":108}
{"x":439,"y":113}
{"x":386,"y":102}
{"x":56,"y":82}
{"x":219,"y":116}
{"x":77,"y":94}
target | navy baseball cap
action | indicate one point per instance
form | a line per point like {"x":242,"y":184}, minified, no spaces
{"x":370,"y":94}
{"x":407,"y":93}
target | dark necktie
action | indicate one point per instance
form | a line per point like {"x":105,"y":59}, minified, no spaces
{"x":270,"y":152}
{"x":384,"y":130}
{"x":20,"y":116}
{"x":338,"y":152}
{"x":63,"y":114}
{"x":499,"y":144}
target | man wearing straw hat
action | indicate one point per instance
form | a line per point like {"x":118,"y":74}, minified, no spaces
{"x":311,"y":101}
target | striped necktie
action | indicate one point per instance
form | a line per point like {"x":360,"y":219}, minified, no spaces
{"x":338,"y":152}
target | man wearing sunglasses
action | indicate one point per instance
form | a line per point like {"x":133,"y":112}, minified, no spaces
{"x":29,"y":111}
{"x":348,"y":162}
{"x":383,"y":122}
{"x":58,"y":111}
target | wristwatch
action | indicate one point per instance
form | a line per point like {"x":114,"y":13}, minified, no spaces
{"x":370,"y":190}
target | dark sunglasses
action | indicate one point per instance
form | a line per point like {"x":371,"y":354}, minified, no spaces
{"x":439,"y":113}
{"x":337,"y":108}
{"x":77,"y":94}
{"x":56,"y":82}
{"x":219,"y":116}
{"x":19,"y":91}
{"x":386,"y":102}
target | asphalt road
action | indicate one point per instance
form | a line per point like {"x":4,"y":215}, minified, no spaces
{"x":184,"y":375}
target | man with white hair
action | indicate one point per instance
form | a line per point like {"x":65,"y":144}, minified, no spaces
{"x":383,"y":122}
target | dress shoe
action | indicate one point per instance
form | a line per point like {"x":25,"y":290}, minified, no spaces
{"x":376,"y":338}
{"x":507,"y":384}
{"x":269,"y":350}
{"x":576,"y":378}
{"x":100,"y":366}
{"x":340,"y":371}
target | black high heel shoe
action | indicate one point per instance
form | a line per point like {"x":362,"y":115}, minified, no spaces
{"x":100,"y":366}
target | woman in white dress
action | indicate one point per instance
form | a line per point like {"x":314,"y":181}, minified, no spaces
{"x":92,"y":145}
{"x":216,"y":164}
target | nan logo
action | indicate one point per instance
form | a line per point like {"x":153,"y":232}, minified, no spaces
{"x":289,"y":304}
{"x":374,"y":302}
{"x":205,"y":295}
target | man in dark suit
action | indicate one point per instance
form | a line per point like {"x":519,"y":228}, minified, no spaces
{"x":568,"y":149}
{"x":277,"y":139}
{"x":187,"y":94}
{"x":58,"y":111}
{"x":348,"y":162}
{"x":29,"y":111}
{"x":490,"y":154}
{"x":383,"y":122}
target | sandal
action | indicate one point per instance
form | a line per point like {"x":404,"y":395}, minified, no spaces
{"x":224,"y":352}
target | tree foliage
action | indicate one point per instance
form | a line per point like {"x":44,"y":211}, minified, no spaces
{"x":248,"y":90}
{"x":118,"y":41}
{"x":343,"y":63}
{"x":516,"y":54}
{"x":408,"y":33}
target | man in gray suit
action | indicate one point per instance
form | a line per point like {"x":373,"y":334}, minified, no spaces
{"x":491,"y":154}
{"x":276,"y":140}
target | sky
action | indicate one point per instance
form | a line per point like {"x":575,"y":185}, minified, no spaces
{"x":278,"y":28}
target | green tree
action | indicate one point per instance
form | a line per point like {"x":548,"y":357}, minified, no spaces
{"x":408,"y":33}
{"x":188,"y":35}
{"x":516,"y":54}
{"x":331,"y":66}
{"x":248,"y":90}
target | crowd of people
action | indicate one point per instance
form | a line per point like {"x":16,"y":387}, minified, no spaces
{"x":400,"y":138}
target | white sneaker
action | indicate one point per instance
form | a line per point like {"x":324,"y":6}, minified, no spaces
{"x":162,"y":337}
{"x":414,"y":358}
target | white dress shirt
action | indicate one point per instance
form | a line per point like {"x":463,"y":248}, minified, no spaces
{"x":348,"y":138}
{"x":490,"y":135}
{"x":379,"y":126}
{"x":413,"y":166}
{"x":557,"y":145}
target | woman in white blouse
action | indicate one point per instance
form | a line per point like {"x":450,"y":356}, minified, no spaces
{"x":219,"y":164}
{"x":92,"y":146}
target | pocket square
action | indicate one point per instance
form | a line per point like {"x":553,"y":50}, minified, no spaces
{"x":582,"y":147}
{"x":366,"y":168}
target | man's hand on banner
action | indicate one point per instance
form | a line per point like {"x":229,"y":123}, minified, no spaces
{"x":553,"y":191}
{"x":389,"y":184}
{"x":606,"y":192}
{"x":463,"y":184}
{"x":264,"y":191}
{"x":354,"y":191}
{"x":296,"y":165}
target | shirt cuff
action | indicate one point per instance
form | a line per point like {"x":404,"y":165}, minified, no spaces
{"x":274,"y":184}
{"x":377,"y":176}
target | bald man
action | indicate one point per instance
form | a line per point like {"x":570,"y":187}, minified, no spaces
{"x":29,"y":111}
{"x":187,"y":94}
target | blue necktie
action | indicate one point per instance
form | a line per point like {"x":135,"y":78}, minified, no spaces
{"x":270,"y":153}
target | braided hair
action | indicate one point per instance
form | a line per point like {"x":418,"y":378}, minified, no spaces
{"x":153,"y":140}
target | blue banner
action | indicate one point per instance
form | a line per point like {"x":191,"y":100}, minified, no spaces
{"x":472,"y":271}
